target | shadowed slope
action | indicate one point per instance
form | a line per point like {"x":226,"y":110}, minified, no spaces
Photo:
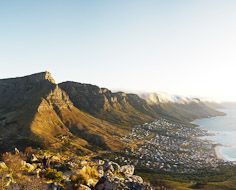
{"x":36,"y":112}
{"x":19,"y":101}
{"x":119,"y":108}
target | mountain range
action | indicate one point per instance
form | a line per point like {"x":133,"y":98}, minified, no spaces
{"x":35,"y":111}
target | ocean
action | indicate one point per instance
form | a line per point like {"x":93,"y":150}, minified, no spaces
{"x":224,"y":128}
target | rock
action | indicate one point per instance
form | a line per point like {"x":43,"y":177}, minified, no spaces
{"x":118,"y":179}
{"x":90,"y":182}
{"x":108,"y":173}
{"x":33,"y":158}
{"x":3,"y":166}
{"x":108,"y":169}
{"x":111,"y":168}
{"x":104,"y":184}
{"x":38,"y":171}
{"x":17,"y":151}
{"x":127,"y":170}
{"x":100,"y":171}
{"x":135,"y":179}
{"x":28,"y":167}
{"x":55,"y":186}
{"x":115,"y":166}
{"x":100,"y":162}
{"x":83,"y":187}
{"x":136,"y":186}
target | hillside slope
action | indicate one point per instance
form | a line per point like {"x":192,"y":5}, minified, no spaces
{"x":119,"y":108}
{"x":36,"y":112}
{"x":181,"y":108}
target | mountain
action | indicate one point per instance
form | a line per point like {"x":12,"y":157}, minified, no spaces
{"x":119,"y":107}
{"x":34,"y":111}
{"x":215,"y":105}
{"x":130,"y":109}
{"x":180,"y":107}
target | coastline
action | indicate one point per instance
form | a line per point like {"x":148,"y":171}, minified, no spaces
{"x":219,"y":147}
{"x":225,"y":157}
{"x":218,"y":152}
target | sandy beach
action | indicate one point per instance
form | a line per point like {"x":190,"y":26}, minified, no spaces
{"x":218,"y":152}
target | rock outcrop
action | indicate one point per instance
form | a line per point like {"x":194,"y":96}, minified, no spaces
{"x":119,"y":107}
{"x":119,"y":178}
{"x":66,"y":172}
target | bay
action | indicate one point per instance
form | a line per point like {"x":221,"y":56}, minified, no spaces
{"x":224,"y":130}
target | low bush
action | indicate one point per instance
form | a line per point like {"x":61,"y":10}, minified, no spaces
{"x":54,"y":174}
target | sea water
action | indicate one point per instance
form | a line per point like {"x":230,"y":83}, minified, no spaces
{"x":224,"y":130}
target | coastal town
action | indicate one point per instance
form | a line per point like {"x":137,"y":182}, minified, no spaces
{"x":168,"y":146}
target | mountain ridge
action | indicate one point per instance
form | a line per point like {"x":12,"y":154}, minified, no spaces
{"x":180,"y":107}
{"x":35,"y":111}
{"x":34,"y":108}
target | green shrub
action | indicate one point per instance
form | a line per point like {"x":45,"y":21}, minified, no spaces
{"x":54,"y":174}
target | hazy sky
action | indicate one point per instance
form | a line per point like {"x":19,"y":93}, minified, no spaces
{"x":181,"y":46}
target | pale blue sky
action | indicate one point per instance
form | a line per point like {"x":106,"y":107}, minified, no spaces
{"x":181,"y":46}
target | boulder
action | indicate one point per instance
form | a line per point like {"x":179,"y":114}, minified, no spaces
{"x":137,"y":186}
{"x":127,"y":170}
{"x":33,"y":158}
{"x":135,"y":179}
{"x":83,"y":187}
{"x":104,"y":184}
{"x":108,"y":173}
{"x":90,"y":182}
{"x":55,"y":186}
{"x":116,"y":167}
{"x":100,"y":162}
{"x":117,"y":183}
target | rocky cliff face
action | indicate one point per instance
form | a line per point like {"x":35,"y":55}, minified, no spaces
{"x":36,"y":112}
{"x":119,"y":108}
{"x":19,"y":101}
{"x":130,"y":109}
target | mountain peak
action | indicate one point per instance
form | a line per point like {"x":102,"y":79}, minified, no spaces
{"x":43,"y":76}
{"x":29,"y":79}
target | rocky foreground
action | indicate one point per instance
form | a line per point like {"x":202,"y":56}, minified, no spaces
{"x":46,"y":170}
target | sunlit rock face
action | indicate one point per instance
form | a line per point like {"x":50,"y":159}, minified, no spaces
{"x":35,"y":111}
{"x":116,"y":107}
